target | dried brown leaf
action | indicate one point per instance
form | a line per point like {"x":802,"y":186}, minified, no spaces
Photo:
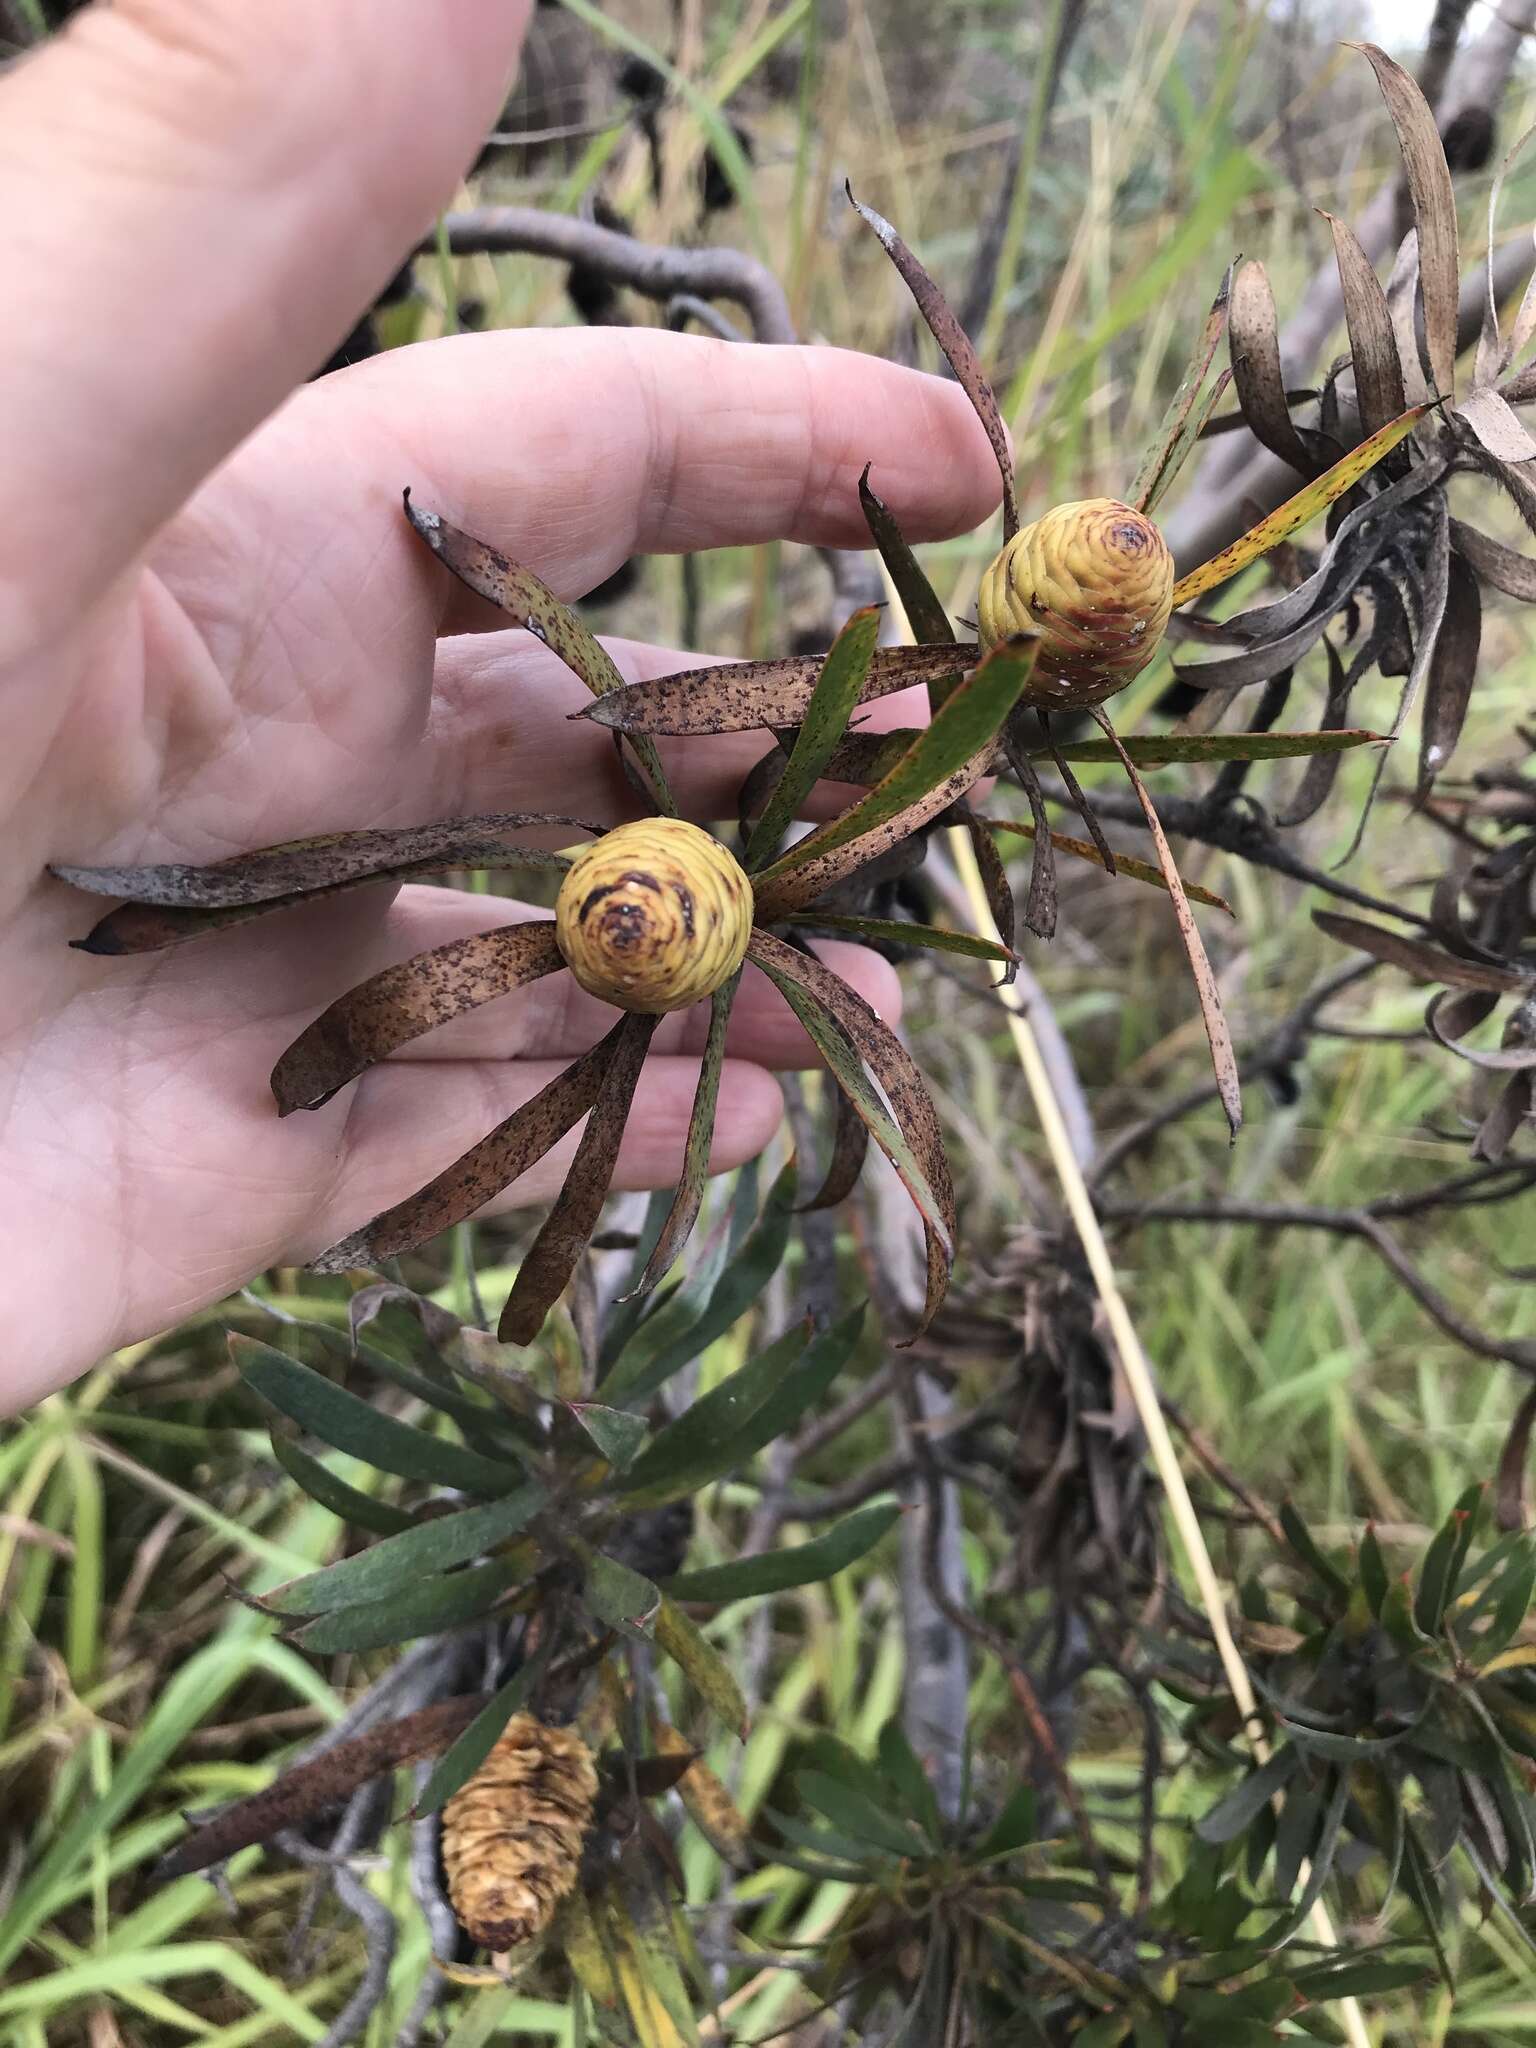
{"x":566,"y":1231}
{"x":1452,"y":671}
{"x":405,"y":1001}
{"x":741,"y":696}
{"x":1434,"y":211}
{"x":1372,"y":341}
{"x":1254,"y":341}
{"x":1417,"y":957}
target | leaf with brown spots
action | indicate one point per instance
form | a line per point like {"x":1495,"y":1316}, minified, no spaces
{"x":567,"y":1229}
{"x":684,"y":1212}
{"x":1223,"y":1058}
{"x":908,"y":1133}
{"x":391,"y":1008}
{"x":994,"y":880}
{"x":1181,"y":423}
{"x":741,"y":696}
{"x":484,"y":1170}
{"x":927,"y":620}
{"x":175,"y":901}
{"x":850,"y":1148}
{"x":318,"y":1787}
{"x":1125,"y":863}
{"x":529,"y":602}
{"x":956,"y":344}
{"x":896,"y":931}
{"x":942,"y":762}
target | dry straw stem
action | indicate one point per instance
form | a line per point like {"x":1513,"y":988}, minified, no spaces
{"x":1134,"y":1364}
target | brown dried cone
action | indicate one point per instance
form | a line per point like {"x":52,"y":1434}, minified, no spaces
{"x":1095,"y":580}
{"x":512,"y":1836}
{"x":654,"y":916}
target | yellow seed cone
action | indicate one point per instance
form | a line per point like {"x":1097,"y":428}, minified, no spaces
{"x":512,"y":1834}
{"x":1094,"y":580}
{"x":654,"y":916}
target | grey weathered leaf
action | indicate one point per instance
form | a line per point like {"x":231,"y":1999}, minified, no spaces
{"x":401,"y":1003}
{"x":1254,"y":341}
{"x":1452,"y":671}
{"x":1505,"y":568}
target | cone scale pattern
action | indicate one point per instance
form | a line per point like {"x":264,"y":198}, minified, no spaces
{"x":654,"y":916}
{"x":512,"y":1835}
{"x":1094,"y":580}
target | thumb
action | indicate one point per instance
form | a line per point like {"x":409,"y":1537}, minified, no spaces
{"x":197,"y":198}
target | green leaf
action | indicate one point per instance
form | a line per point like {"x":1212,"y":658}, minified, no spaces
{"x":638,"y":1373}
{"x":1233,"y":1816}
{"x":744,"y":1413}
{"x":349,"y":1424}
{"x":854,"y":1814}
{"x":420,"y":1610}
{"x":838,"y":689}
{"x":1374,"y":1578}
{"x":774,"y":1571}
{"x":903,"y":1768}
{"x":1302,"y":1541}
{"x":941,"y":764}
{"x":357,"y":1509}
{"x":460,"y":1761}
{"x":432,"y":1546}
{"x":626,"y":1600}
{"x":895,"y":931}
{"x":1443,"y":1562}
{"x":702,"y":1665}
{"x":617,"y":1433}
{"x":1015,"y":1827}
{"x":1161,"y":750}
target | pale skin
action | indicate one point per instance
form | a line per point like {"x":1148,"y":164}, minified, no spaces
{"x":216,"y":630}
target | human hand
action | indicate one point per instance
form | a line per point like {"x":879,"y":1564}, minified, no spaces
{"x":210,"y":642}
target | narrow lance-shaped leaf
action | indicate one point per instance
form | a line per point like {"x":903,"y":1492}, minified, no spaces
{"x":850,"y":1142}
{"x":1223,"y":1058}
{"x":1040,"y":904}
{"x":1434,"y":211}
{"x":1316,"y":497}
{"x":895,"y":931}
{"x":994,"y":881}
{"x":702,"y":1665}
{"x":150,"y":927}
{"x":429,"y":1546}
{"x":1257,"y":371}
{"x":530,"y":602}
{"x":909,"y":1132}
{"x":318,"y":1787}
{"x":464,"y":1756}
{"x":926,"y":616}
{"x":357,"y":1509}
{"x":424,"y":1608}
{"x":567,"y":1229}
{"x":404,"y":1002}
{"x":350,"y":1424}
{"x":723,"y":1441}
{"x":687,"y":1445}
{"x":776,"y":1571}
{"x":1161,"y":463}
{"x":826,"y":718}
{"x":626,"y":1600}
{"x":941,"y":764}
{"x":1125,"y":863}
{"x":956,"y":344}
{"x":483,"y":1171}
{"x":742,"y":696}
{"x":1162,"y":750}
{"x":1076,"y":793}
{"x":684,"y":1212}
{"x":1452,"y":671}
{"x":1372,"y":342}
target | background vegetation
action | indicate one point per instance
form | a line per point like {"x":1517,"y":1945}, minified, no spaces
{"x":132,"y":1685}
